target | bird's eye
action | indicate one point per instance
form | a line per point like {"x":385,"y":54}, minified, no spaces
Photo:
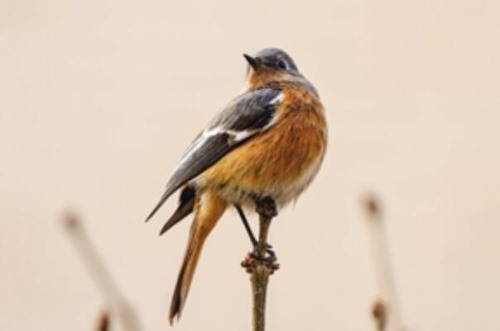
{"x":282,"y":64}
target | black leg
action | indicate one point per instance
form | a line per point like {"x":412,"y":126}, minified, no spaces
{"x":246,"y":225}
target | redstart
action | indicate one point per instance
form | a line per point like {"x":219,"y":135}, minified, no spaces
{"x":268,"y":142}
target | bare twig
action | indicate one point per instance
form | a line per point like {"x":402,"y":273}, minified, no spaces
{"x":102,"y":323}
{"x":113,"y":298}
{"x":379,"y":313}
{"x":385,"y":310}
{"x":261,"y":264}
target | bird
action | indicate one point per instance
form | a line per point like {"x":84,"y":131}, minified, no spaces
{"x":268,"y":142}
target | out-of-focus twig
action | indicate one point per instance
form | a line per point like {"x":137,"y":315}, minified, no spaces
{"x":102,"y":323}
{"x":379,"y":314}
{"x":385,"y":310}
{"x":114,"y":300}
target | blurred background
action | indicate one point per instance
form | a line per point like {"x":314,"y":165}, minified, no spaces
{"x":98,"y":99}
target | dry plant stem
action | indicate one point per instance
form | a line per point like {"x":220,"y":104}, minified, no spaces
{"x":383,"y":269}
{"x":112,"y":296}
{"x":379,"y":314}
{"x":260,"y":264}
{"x":103,"y":321}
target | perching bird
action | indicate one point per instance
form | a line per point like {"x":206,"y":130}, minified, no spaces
{"x":268,"y":142}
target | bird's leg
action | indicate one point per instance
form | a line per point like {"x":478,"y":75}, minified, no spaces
{"x":266,"y":208}
{"x":246,"y":225}
{"x":249,"y":231}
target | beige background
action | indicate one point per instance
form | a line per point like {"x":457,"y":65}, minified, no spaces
{"x":98,"y":99}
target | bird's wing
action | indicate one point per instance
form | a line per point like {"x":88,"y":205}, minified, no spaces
{"x":249,"y":114}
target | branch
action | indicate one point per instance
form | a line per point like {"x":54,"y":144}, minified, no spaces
{"x":388,"y":301}
{"x":102,"y":279}
{"x":379,"y":314}
{"x":261,"y":263}
{"x":102,"y":323}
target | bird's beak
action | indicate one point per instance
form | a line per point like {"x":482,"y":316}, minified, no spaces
{"x":255,"y":63}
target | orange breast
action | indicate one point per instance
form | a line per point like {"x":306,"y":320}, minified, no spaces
{"x":279,"y":161}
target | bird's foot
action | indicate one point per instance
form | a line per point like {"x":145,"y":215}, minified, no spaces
{"x":253,"y":259}
{"x":269,"y":255}
{"x":269,"y":260}
{"x":263,"y":254}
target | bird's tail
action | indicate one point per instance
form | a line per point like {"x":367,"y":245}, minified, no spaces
{"x":208,"y":211}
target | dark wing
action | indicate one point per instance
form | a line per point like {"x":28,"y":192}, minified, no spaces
{"x":248,"y":115}
{"x":250,"y":111}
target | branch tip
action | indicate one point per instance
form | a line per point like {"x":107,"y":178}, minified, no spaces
{"x":372,"y":205}
{"x":103,"y":321}
{"x":380,"y":314}
{"x":70,"y":221}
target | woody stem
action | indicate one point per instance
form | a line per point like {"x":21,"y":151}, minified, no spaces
{"x":260,"y":264}
{"x":260,"y":278}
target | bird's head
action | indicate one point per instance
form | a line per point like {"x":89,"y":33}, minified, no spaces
{"x":268,"y":65}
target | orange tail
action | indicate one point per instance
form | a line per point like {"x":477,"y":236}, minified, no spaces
{"x":208,"y":209}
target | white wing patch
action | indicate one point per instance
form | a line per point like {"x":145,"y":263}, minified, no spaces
{"x":276,"y":100}
{"x":235,"y":137}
